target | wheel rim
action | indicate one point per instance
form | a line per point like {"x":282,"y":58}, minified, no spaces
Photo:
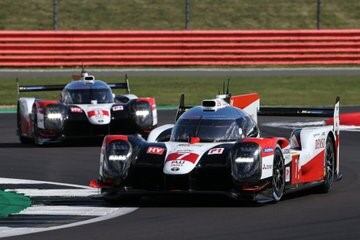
{"x":278,"y":177}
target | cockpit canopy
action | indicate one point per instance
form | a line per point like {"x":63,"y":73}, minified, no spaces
{"x":87,"y":92}
{"x":224,"y":125}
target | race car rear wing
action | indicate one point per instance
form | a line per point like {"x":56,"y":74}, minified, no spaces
{"x":296,"y":111}
{"x":59,"y":87}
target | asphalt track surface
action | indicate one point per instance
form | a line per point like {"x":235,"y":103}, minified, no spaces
{"x":307,"y":215}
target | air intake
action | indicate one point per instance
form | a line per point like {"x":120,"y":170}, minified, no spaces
{"x":209,"y":103}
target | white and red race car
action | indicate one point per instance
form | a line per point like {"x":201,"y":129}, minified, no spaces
{"x":217,"y":147}
{"x":86,"y":108}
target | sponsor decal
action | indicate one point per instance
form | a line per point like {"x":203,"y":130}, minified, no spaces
{"x":75,"y":110}
{"x":175,"y":169}
{"x":316,"y":135}
{"x":98,"y":113}
{"x":320,"y":143}
{"x":216,"y":151}
{"x":177,"y":163}
{"x":287,"y":174}
{"x":268,"y":150}
{"x":118,"y":108}
{"x":155,"y":150}
{"x":267,"y":166}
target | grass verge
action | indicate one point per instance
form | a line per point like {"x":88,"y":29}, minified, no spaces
{"x":283,"y":91}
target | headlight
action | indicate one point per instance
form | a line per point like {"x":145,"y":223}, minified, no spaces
{"x":116,"y":164}
{"x":119,"y":151}
{"x":246,"y":161}
{"x":54,"y":116}
{"x":142,"y":113}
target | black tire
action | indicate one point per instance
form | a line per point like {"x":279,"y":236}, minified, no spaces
{"x":22,"y":139}
{"x":278,"y":179}
{"x":329,"y":166}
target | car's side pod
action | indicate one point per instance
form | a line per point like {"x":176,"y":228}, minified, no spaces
{"x":255,"y":156}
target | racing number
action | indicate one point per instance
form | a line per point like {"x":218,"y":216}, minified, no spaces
{"x":190,"y":157}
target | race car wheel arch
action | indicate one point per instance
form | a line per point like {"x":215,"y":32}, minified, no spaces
{"x":329,"y":165}
{"x":278,"y":179}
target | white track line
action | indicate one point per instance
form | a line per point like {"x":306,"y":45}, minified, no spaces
{"x":99,"y":213}
{"x":56,"y":192}
{"x":67,"y":210}
{"x":22,"y":231}
{"x":25,"y":181}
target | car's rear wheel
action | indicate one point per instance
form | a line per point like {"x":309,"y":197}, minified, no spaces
{"x":329,"y":166}
{"x":278,"y":179}
{"x":22,"y":139}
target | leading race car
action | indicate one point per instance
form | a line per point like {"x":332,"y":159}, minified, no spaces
{"x":87,"y":108}
{"x":217,"y":147}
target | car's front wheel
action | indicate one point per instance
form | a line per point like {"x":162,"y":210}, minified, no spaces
{"x":329,"y":166}
{"x":278,"y":179}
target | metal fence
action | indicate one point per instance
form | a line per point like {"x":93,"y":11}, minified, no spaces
{"x":179,"y":14}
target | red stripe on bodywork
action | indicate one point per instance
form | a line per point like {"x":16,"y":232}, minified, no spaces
{"x":350,"y":119}
{"x":100,"y":112}
{"x":268,"y":144}
{"x":150,"y":100}
{"x":190,"y":157}
{"x":44,"y":103}
{"x":314,"y":169}
{"x":110,"y":138}
{"x":243,"y":101}
{"x":295,"y":173}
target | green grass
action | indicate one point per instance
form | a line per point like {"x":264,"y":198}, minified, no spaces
{"x":169,"y":14}
{"x":302,"y":91}
{"x":11,"y":203}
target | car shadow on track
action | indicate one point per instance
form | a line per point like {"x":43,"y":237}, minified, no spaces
{"x":201,"y":200}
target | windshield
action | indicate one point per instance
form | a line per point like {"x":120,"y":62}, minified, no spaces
{"x":86,"y":96}
{"x":208,"y":130}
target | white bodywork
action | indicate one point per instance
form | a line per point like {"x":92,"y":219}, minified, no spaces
{"x":155,"y":133}
{"x":182,"y":157}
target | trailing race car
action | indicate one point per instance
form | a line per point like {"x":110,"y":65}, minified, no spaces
{"x":87,"y":108}
{"x":216,"y":147}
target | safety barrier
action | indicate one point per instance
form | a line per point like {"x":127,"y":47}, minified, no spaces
{"x":179,"y":48}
